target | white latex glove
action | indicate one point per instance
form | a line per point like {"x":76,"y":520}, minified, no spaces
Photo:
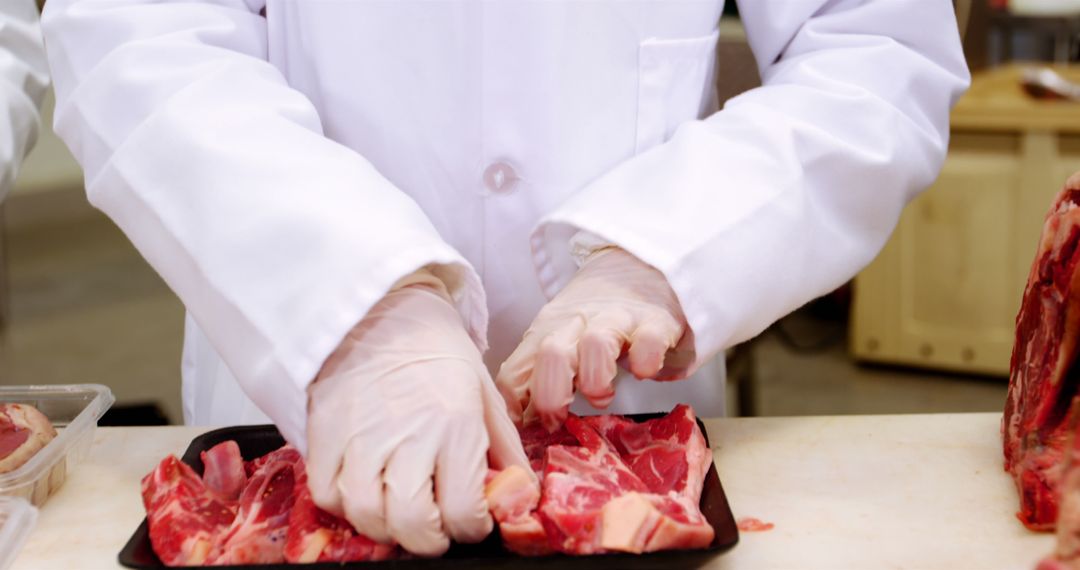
{"x":400,"y":421}
{"x":615,"y":305}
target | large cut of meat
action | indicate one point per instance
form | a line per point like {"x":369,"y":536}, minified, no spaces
{"x":253,"y":512}
{"x":607,"y":484}
{"x":23,"y":432}
{"x":1044,"y":376}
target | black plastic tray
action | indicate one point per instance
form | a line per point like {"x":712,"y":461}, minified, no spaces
{"x":255,"y":441}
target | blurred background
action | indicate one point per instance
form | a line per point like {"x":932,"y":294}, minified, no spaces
{"x":927,"y":327}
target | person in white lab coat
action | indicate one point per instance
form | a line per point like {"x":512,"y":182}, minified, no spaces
{"x":24,"y":77}
{"x":352,"y":197}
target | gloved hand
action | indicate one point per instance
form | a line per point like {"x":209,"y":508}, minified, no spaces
{"x":400,"y":419}
{"x":615,"y":305}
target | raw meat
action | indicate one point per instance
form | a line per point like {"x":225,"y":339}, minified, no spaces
{"x":318,"y":536}
{"x":513,"y":496}
{"x":667,"y":454}
{"x":255,"y":512}
{"x":23,"y":432}
{"x":578,"y":483}
{"x":608,"y":484}
{"x":185,"y":517}
{"x":223,"y":470}
{"x":257,"y":534}
{"x":536,"y":439}
{"x":1043,"y":379}
{"x":751,"y":524}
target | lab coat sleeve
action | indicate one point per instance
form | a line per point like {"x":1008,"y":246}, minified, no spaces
{"x":794,"y":186}
{"x":24,"y":77}
{"x":277,"y":239}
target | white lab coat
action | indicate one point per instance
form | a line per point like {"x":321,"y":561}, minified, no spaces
{"x":281,"y":163}
{"x":24,"y":77}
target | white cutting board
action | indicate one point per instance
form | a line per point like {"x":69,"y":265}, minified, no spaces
{"x":909,"y":491}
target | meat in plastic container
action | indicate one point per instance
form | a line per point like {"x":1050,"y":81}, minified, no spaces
{"x":17,"y":518}
{"x":74,"y":410}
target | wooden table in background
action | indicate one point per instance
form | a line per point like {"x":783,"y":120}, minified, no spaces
{"x":945,"y":290}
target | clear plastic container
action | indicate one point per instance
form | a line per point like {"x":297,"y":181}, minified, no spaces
{"x":74,"y":410}
{"x":17,"y":518}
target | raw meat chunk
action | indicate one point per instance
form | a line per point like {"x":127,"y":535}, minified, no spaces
{"x":185,"y":517}
{"x":1044,"y":378}
{"x":511,"y":493}
{"x":592,"y":501}
{"x":667,"y":454}
{"x":578,"y":483}
{"x":257,"y":534}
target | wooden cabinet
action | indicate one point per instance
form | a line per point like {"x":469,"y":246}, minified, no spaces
{"x":945,"y":290}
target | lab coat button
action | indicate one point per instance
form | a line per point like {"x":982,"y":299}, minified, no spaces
{"x":500,"y":178}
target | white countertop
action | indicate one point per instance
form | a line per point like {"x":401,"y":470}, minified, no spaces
{"x":910,"y":491}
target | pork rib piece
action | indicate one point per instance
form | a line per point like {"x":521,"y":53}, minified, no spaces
{"x":257,"y":534}
{"x":1044,"y":378}
{"x":592,"y":498}
{"x":223,"y":517}
{"x":185,"y":517}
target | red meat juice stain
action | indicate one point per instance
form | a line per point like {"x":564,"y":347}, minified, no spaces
{"x":751,"y":524}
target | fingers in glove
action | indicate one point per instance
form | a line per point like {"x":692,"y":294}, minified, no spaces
{"x":598,"y":351}
{"x":360,"y":486}
{"x":504,"y":447}
{"x":459,"y":484}
{"x":326,"y":447}
{"x":650,"y":342}
{"x":681,"y":360}
{"x":554,"y":372}
{"x":412,"y":517}
{"x":513,"y":379}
